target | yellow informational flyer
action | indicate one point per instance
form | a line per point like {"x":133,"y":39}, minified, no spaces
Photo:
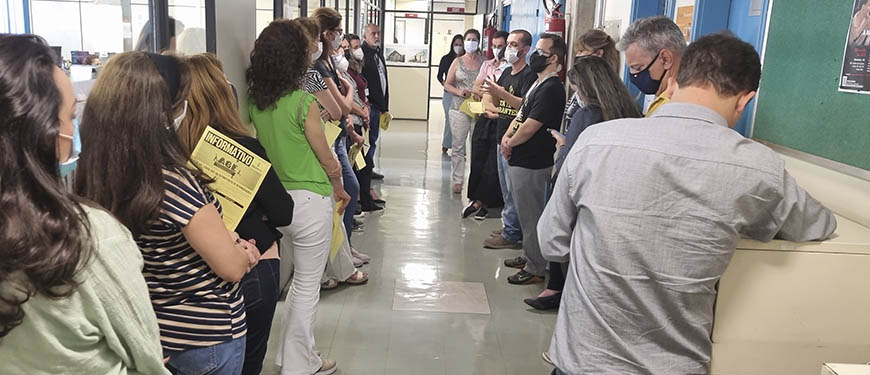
{"x":466,"y":109}
{"x":386,"y":118}
{"x":475,"y":107}
{"x":237,"y":173}
{"x":332,"y":130}
{"x":357,"y":156}
{"x":337,"y":232}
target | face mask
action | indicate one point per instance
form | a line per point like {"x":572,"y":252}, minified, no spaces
{"x":512,"y":55}
{"x":538,"y":62}
{"x":316,"y":54}
{"x":458,"y":49}
{"x":358,"y":54}
{"x":471,"y":46}
{"x":70,"y":164}
{"x":496,"y":52}
{"x":177,"y":122}
{"x":341,"y":63}
{"x":644,"y":82}
{"x":337,"y":41}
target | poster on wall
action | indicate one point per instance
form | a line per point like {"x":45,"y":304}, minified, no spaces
{"x":855,"y":75}
{"x":407,"y":55}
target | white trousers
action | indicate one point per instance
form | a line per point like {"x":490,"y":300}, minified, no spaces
{"x":308,"y":240}
{"x":460,"y":127}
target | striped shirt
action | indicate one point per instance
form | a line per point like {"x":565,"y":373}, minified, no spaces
{"x":194,"y":306}
{"x":313,"y":82}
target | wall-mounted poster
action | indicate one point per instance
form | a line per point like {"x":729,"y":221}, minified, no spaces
{"x":855,"y":75}
{"x":407,"y":55}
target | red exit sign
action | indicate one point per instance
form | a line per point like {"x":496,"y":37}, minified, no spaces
{"x":455,"y":10}
{"x":411,"y":15}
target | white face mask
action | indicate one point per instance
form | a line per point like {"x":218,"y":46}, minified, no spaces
{"x":458,"y":49}
{"x":512,"y":55}
{"x":337,"y":42}
{"x":177,"y":122}
{"x":341,"y":62}
{"x":358,"y":54}
{"x":316,"y":54}
{"x":471,"y":46}
{"x":496,"y":52}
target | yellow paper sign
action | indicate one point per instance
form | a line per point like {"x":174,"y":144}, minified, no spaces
{"x":386,"y":118}
{"x":332,"y":129}
{"x":337,"y":233}
{"x":357,"y":156}
{"x":475,"y":107}
{"x":464,"y":108}
{"x":237,"y":173}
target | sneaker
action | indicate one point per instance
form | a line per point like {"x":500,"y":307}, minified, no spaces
{"x":377,"y":176}
{"x":498,"y":242}
{"x":358,"y":226}
{"x":481,"y":214}
{"x":359,"y":255}
{"x":524,"y":278}
{"x":371,"y":207}
{"x":470,"y":210}
{"x":518,"y":262}
{"x":327,"y":368}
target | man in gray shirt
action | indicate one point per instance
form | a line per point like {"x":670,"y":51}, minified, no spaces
{"x":649,"y":211}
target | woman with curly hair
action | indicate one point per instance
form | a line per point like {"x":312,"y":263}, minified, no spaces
{"x":287,"y":119}
{"x":72,"y":296}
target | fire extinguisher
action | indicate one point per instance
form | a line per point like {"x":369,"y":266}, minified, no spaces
{"x":554,"y":22}
{"x":488,"y":32}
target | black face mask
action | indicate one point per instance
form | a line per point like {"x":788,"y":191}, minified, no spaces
{"x":538,"y":62}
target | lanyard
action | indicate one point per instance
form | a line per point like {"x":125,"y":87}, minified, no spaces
{"x":528,"y":95}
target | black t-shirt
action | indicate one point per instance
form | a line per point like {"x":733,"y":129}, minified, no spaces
{"x":516,"y":84}
{"x":545,"y":104}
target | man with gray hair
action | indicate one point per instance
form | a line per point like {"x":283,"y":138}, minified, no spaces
{"x":375,"y":72}
{"x":653,"y":49}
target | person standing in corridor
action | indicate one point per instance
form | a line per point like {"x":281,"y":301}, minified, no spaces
{"x":375,"y":72}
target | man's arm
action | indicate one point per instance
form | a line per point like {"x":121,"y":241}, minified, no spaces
{"x":797,"y":216}
{"x":499,"y":92}
{"x":525,"y":132}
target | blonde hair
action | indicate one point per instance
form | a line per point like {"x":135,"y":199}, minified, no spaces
{"x":594,"y":40}
{"x":210,"y":102}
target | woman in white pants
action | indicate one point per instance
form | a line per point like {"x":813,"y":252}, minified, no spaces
{"x":460,"y":81}
{"x":288,"y":124}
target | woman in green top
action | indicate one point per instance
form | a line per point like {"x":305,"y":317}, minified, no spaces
{"x":72,"y":296}
{"x":289,"y":128}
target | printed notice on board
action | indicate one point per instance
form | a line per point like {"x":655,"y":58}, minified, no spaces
{"x":855,"y":75}
{"x":237,"y":173}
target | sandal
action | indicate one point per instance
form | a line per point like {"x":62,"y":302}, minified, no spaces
{"x":329,"y":284}
{"x":357,"y":278}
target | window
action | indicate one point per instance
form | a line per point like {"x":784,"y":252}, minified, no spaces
{"x":187,"y":25}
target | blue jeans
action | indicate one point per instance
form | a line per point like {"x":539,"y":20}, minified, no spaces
{"x":374,"y":132}
{"x":351,"y":184}
{"x":447,"y":139}
{"x":261,"y":288}
{"x":512,"y":231}
{"x":225,"y":358}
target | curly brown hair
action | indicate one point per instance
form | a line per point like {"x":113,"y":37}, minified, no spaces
{"x":280,"y":58}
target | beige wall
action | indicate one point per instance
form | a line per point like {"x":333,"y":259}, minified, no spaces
{"x":408,"y":95}
{"x":236,"y":25}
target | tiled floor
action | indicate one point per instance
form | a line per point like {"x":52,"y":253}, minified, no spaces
{"x":421,"y":240}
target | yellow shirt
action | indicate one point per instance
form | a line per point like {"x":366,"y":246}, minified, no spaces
{"x":658,"y":102}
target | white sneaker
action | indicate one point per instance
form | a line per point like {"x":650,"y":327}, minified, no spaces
{"x":327,"y":368}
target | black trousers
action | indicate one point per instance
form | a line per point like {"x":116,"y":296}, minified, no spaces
{"x":364,"y":176}
{"x":483,"y":184}
{"x":558,"y":271}
{"x":261,"y":289}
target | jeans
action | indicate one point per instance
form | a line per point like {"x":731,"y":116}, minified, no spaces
{"x":225,"y":358}
{"x":374,"y":132}
{"x":460,"y":127}
{"x":447,"y":138}
{"x":308,"y":242}
{"x":512,"y":231}
{"x":261,"y":288}
{"x":351,"y":184}
{"x":529,"y":188}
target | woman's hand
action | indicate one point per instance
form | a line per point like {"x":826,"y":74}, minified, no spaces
{"x":340,"y":197}
{"x":465,"y":93}
{"x":560,"y":140}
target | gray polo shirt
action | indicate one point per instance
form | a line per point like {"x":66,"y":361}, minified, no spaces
{"x":649,"y":211}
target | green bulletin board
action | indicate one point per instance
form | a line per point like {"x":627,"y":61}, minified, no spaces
{"x":799,"y":105}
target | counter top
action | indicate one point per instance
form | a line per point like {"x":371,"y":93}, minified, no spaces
{"x":849,"y":238}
